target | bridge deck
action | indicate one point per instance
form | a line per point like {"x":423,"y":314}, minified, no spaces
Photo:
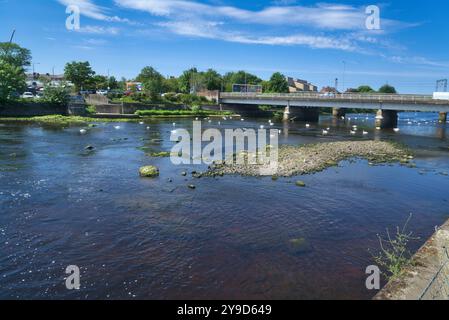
{"x":362,"y":101}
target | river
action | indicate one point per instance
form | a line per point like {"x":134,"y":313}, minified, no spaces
{"x":230,"y":238}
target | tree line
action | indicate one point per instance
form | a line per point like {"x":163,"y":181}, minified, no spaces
{"x":14,"y":60}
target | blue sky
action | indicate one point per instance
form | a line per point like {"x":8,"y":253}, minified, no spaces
{"x":311,"y":40}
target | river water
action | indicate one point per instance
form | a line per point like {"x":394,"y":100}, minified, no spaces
{"x":229,"y":238}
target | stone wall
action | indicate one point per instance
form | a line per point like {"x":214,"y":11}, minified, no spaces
{"x":428,"y":277}
{"x":31,"y":109}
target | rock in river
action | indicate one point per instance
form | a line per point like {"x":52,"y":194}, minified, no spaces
{"x":300,"y":184}
{"x":149,"y":171}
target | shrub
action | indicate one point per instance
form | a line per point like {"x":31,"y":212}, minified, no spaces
{"x":91,"y":110}
{"x":394,"y":254}
{"x":56,"y":95}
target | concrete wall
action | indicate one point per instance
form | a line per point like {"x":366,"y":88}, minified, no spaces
{"x":95,"y":99}
{"x":31,"y":109}
{"x":428,"y":277}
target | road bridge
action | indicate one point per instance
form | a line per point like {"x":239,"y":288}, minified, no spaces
{"x":305,"y":106}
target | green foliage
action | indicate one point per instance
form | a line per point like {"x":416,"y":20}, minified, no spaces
{"x":12,"y":81}
{"x":277,"y":84}
{"x":79,"y":73}
{"x":394,"y":254}
{"x":189,"y":80}
{"x":239,"y":77}
{"x":115,"y":94}
{"x":212,"y":80}
{"x":171,"y":85}
{"x":113,"y":83}
{"x":365,"y":89}
{"x":91,"y":110}
{"x":15,"y":55}
{"x":387,"y":89}
{"x":56,"y":95}
{"x":98,"y":82}
{"x":171,"y":97}
{"x":196,"y":109}
{"x":149,"y":113}
{"x":153,"y":82}
{"x":191,"y":99}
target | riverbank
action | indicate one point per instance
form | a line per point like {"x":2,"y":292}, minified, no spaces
{"x":425,"y":278}
{"x":307,"y":159}
{"x":79,"y":120}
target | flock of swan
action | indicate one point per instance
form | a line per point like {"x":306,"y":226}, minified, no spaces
{"x":353,"y":131}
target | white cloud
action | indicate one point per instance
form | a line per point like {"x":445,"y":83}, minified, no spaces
{"x":91,"y":10}
{"x":99,"y":30}
{"x":321,"y":16}
{"x":211,"y":30}
{"x":416,"y":60}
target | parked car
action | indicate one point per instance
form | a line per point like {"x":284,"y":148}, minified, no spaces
{"x":27,"y":95}
{"x":102,"y":92}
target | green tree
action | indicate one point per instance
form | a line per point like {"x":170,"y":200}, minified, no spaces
{"x":212,"y":80}
{"x":15,"y":55}
{"x":12,"y":80}
{"x":99,"y":82}
{"x":189,"y":80}
{"x":171,"y":85}
{"x":79,"y":73}
{"x":277,"y":83}
{"x":387,"y":89}
{"x":365,"y":89}
{"x":240,"y":77}
{"x":112,"y":83}
{"x":152,"y":81}
{"x":122,"y":84}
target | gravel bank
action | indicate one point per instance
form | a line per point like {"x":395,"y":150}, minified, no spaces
{"x":306,"y":159}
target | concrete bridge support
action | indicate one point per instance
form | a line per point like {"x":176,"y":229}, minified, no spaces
{"x":338,"y":112}
{"x":302,"y":114}
{"x":387,"y":119}
{"x":443,"y":117}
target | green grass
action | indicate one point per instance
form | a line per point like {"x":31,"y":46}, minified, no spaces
{"x":63,"y":120}
{"x":78,"y":120}
{"x":150,"y":113}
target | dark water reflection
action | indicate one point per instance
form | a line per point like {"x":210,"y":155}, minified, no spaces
{"x":229,"y":238}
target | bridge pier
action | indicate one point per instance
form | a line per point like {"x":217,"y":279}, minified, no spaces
{"x":302,"y":114}
{"x":338,"y":112}
{"x":387,"y":119}
{"x":287,"y":112}
{"x":443,"y":117}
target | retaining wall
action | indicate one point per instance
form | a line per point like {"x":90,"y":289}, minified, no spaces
{"x":32,"y":109}
{"x":428,"y":277}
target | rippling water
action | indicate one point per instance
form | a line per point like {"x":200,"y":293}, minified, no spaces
{"x":229,"y":238}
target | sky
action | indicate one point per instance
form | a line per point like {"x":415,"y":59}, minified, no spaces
{"x":315,"y":41}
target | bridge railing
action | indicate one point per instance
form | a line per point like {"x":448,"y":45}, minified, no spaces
{"x":330,"y":96}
